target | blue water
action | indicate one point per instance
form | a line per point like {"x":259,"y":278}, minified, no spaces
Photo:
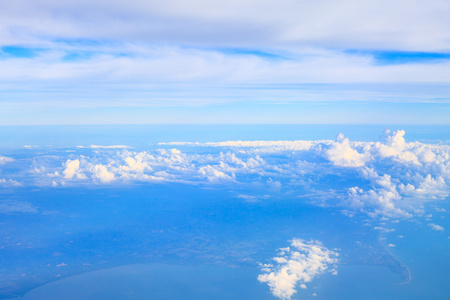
{"x":156,"y":281}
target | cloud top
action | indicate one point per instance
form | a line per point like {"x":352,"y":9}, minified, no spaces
{"x":391,"y":179}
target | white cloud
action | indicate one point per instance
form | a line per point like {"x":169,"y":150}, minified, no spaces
{"x":214,"y":175}
{"x":105,"y":147}
{"x":4,"y":160}
{"x":274,"y":145}
{"x":61,"y":265}
{"x":72,"y":169}
{"x":252,"y":198}
{"x":342,"y":154}
{"x":217,"y":47}
{"x":396,"y":147}
{"x":9,"y":182}
{"x":382,"y":229}
{"x":393,"y":179}
{"x":436,"y":227}
{"x":249,"y":198}
{"x":102,"y":173}
{"x":13,"y":206}
{"x":411,"y":26}
{"x":138,"y":163}
{"x":296,"y":265}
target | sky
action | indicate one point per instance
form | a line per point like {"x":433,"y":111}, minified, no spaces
{"x":224,"y":62}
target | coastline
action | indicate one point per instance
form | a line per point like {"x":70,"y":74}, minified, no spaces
{"x":406,"y":277}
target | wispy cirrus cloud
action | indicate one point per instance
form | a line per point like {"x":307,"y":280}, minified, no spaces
{"x":101,"y":55}
{"x":408,"y":26}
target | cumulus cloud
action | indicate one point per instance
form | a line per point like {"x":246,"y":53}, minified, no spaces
{"x":297,"y":265}
{"x":161,"y":165}
{"x":72,"y":169}
{"x":384,"y":198}
{"x":9,"y":182}
{"x":213,"y":174}
{"x":4,"y":160}
{"x":102,"y":173}
{"x":391,"y":179}
{"x":396,"y":147}
{"x":138,"y":163}
{"x":414,"y":173}
{"x":436,"y":227}
{"x":342,"y":154}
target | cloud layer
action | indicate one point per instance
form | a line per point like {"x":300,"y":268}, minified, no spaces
{"x":70,"y":57}
{"x":406,"y":25}
{"x":391,"y":179}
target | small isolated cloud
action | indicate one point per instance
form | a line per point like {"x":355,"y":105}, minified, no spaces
{"x":248,"y":198}
{"x":436,"y":227}
{"x":382,"y":229}
{"x":296,"y":265}
{"x":12,"y":206}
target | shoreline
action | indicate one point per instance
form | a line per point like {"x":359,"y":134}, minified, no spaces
{"x":408,"y":278}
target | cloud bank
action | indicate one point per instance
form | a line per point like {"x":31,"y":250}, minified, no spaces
{"x":391,"y":179}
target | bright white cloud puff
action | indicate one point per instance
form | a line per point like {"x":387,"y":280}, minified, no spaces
{"x":297,"y":265}
{"x":342,"y":154}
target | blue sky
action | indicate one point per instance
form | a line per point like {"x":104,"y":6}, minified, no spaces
{"x":140,"y":62}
